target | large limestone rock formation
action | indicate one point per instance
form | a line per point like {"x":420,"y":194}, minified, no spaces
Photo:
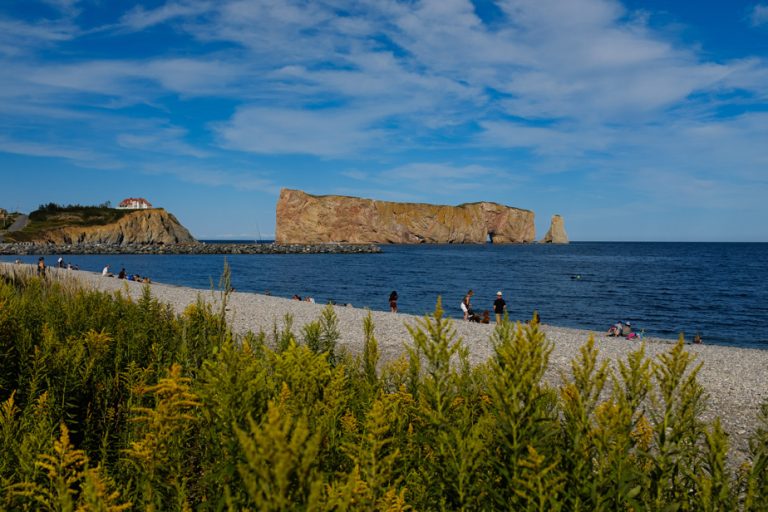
{"x":306,"y":219}
{"x":154,"y":226}
{"x":556,"y":233}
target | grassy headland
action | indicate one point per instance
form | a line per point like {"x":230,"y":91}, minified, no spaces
{"x":53,"y":216}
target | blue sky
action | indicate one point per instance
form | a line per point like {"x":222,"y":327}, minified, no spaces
{"x":635,"y":120}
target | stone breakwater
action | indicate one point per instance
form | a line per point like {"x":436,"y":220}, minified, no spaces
{"x":21,"y":249}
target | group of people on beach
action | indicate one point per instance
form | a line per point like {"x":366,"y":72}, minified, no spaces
{"x":624,"y":330}
{"x":106,"y":272}
{"x":41,"y":267}
{"x":499,"y":308}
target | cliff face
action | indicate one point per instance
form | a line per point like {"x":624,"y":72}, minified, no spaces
{"x":154,"y":226}
{"x":556,"y":233}
{"x":306,"y":219}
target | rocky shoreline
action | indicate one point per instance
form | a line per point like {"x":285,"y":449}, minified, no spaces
{"x":28,"y":248}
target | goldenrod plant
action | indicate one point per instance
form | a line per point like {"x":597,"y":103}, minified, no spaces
{"x":110,"y":404}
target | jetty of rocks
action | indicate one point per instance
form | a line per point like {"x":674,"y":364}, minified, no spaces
{"x":27,"y":248}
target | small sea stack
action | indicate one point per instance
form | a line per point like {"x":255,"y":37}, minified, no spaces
{"x":556,"y":233}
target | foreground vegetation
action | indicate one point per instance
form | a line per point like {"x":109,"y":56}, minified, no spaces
{"x":112,"y":404}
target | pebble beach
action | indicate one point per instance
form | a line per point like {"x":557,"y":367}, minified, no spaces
{"x":735,"y":379}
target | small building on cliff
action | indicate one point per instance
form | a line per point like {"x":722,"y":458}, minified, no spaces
{"x":134,"y":203}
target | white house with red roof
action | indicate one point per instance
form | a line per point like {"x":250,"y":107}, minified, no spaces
{"x":134,"y":203}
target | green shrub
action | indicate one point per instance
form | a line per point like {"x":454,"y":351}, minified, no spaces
{"x":112,"y":404}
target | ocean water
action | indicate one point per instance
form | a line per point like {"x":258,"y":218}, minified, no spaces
{"x":716,"y":289}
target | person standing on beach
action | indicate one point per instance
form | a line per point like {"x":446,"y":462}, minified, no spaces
{"x":393,"y":301}
{"x":499,"y":307}
{"x":466,"y":307}
{"x":41,"y":267}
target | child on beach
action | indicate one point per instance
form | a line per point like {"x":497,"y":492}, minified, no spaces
{"x":393,"y":301}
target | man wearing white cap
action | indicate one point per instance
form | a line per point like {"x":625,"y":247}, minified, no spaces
{"x":499,"y":306}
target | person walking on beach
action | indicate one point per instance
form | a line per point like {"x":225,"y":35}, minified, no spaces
{"x":393,"y":301}
{"x":499,"y":307}
{"x":466,"y":306}
{"x":41,"y":267}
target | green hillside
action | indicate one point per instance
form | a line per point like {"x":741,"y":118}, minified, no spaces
{"x":54,"y":216}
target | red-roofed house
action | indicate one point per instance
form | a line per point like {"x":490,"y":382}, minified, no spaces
{"x":134,"y":203}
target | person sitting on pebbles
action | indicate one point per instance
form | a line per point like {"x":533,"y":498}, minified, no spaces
{"x":615,"y":329}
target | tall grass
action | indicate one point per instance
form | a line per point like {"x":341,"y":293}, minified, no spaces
{"x":112,"y":404}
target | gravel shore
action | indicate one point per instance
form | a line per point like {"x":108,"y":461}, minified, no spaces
{"x":734,"y":378}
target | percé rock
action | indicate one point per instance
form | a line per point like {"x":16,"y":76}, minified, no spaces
{"x":307,"y":219}
{"x":155,"y":226}
{"x":556,"y":233}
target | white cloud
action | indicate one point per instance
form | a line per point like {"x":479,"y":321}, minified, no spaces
{"x":18,"y":38}
{"x":169,"y":141}
{"x":67,"y":6}
{"x":129,"y":81}
{"x":442,"y":179}
{"x":213,"y":176}
{"x":139,"y":18}
{"x":325,"y":132}
{"x":759,"y":15}
{"x":83,"y":157}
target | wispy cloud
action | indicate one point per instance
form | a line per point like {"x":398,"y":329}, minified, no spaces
{"x":213,"y":176}
{"x":168,"y":141}
{"x":275,"y":131}
{"x":19,"y":38}
{"x":759,"y":15}
{"x":83,"y":157}
{"x":133,"y":81}
{"x":139,"y":18}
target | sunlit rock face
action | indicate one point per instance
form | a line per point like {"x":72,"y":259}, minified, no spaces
{"x":306,"y":219}
{"x":556,"y":233}
{"x":155,"y":226}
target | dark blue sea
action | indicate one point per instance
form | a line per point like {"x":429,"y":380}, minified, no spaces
{"x":719,"y":290}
